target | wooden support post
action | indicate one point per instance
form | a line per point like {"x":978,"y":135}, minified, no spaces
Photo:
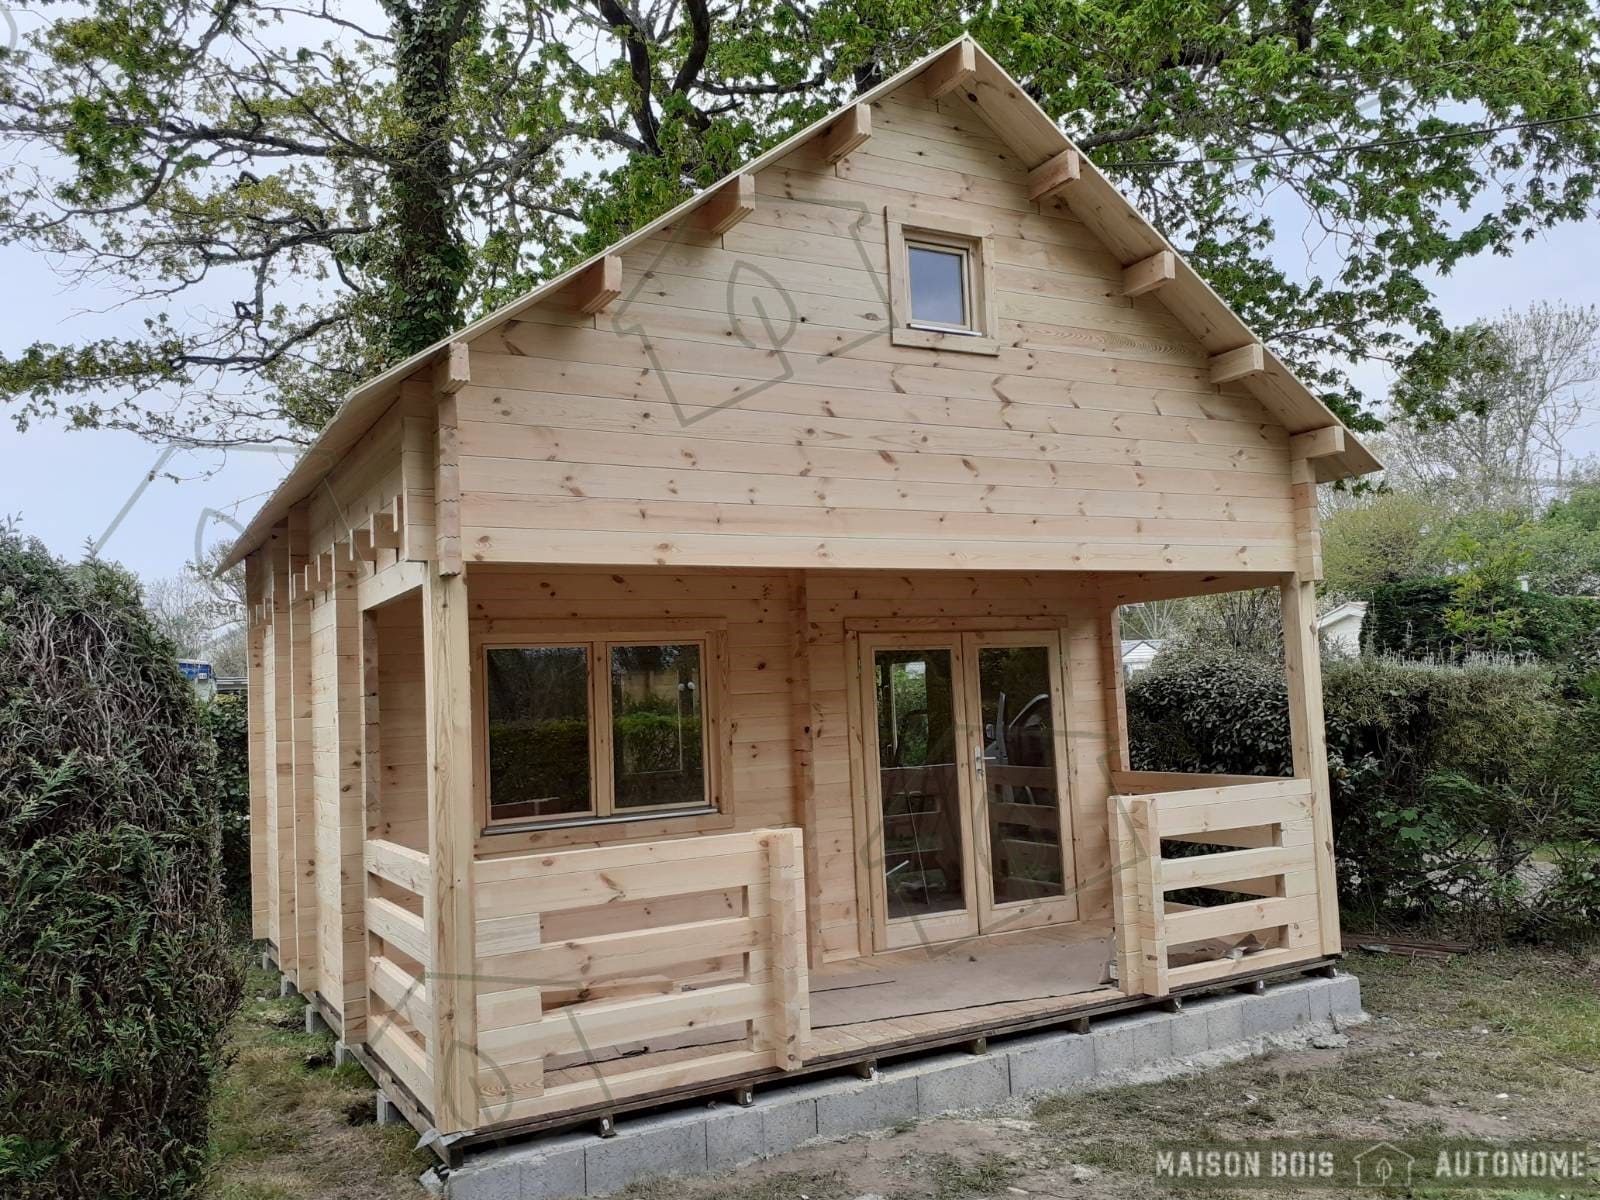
{"x":594,"y":288}
{"x":255,"y":589}
{"x":951,"y":70}
{"x":1238,"y":364}
{"x":447,"y":488}
{"x":1078,"y":1025}
{"x":304,"y":774}
{"x":791,"y":1020}
{"x":729,"y":204}
{"x":452,"y":1036}
{"x":1148,"y":274}
{"x":849,"y":130}
{"x":1052,"y":175}
{"x":1302,"y":660}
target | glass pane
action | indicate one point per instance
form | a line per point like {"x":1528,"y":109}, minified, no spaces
{"x":538,"y":731}
{"x":938,"y":293}
{"x":917,"y":776}
{"x":1019,"y":773}
{"x":657,"y":742}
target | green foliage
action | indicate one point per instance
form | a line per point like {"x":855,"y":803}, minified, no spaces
{"x":1450,"y":618}
{"x":1382,"y":538}
{"x":1447,"y":781}
{"x":365,"y":190}
{"x":227,"y":720}
{"x":116,"y":980}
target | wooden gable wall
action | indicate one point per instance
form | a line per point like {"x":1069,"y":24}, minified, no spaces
{"x":665,"y":430}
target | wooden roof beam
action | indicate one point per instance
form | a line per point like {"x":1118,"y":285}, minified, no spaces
{"x":951,"y":70}
{"x":1242,"y":363}
{"x":729,"y":204}
{"x":596,"y":286}
{"x":1053,"y":174}
{"x":847,"y":132}
{"x":1317,"y":443}
{"x":385,"y":528}
{"x":452,"y":370}
{"x":1148,"y":274}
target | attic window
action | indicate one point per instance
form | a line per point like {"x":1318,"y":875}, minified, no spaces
{"x":940,"y":286}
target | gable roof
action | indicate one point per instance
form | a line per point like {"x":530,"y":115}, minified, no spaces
{"x":1021,"y":124}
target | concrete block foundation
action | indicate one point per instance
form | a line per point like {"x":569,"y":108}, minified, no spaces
{"x":717,"y":1137}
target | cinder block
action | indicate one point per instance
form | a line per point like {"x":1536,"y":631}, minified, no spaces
{"x":870,"y":1104}
{"x":490,"y":1175}
{"x":956,"y":1081}
{"x":386,"y":1113}
{"x":558,"y":1169}
{"x":547,"y":1169}
{"x":1191,"y":1033}
{"x":788,"y":1119}
{"x":734,"y":1136}
{"x":673,"y":1144}
{"x":1225,"y":1019}
{"x":342,"y":1054}
{"x":1127,"y":1043}
{"x":1319,"y":997}
{"x":1344,"y":996}
{"x":1279,"y":1010}
{"x":1052,"y":1062}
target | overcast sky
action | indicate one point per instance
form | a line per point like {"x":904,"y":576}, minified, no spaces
{"x":84,"y":488}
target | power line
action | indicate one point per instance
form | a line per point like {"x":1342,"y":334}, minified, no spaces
{"x":1380,"y":144}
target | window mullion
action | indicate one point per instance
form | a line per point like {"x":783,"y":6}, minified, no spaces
{"x":601,"y":730}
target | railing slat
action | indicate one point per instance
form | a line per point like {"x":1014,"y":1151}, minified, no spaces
{"x":1216,"y":870}
{"x":1244,"y":916}
{"x":400,"y":865}
{"x":400,"y":927}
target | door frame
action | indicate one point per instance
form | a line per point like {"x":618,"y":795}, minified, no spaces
{"x":961,"y":639}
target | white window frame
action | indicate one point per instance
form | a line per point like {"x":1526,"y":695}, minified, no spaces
{"x":906,"y":228}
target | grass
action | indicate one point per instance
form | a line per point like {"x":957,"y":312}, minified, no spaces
{"x":288,"y":1125}
{"x":1500,"y":1045}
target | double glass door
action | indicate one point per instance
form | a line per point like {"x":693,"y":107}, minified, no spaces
{"x":966,"y":766}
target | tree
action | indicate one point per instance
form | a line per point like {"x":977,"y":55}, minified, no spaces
{"x":201,"y":613}
{"x":1383,"y":537}
{"x":1485,"y":413}
{"x":291,"y":195}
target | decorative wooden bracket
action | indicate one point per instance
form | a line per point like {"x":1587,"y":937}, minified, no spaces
{"x":1317,"y":443}
{"x":452,"y":370}
{"x":1150,"y":273}
{"x":951,"y":70}
{"x":1052,"y":175}
{"x":729,"y":204}
{"x":361,"y":543}
{"x":1238,"y":364}
{"x":596,"y":286}
{"x":849,"y":129}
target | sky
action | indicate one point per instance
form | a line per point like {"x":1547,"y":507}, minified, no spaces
{"x":117,"y":493}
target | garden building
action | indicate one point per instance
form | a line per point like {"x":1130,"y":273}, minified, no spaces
{"x":706,"y":668}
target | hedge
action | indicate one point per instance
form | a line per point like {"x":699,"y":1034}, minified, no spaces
{"x":116,"y":976}
{"x":227,"y":721}
{"x":1408,"y":619}
{"x":1449,"y":783}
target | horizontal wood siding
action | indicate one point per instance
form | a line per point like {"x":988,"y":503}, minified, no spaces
{"x":741,"y":403}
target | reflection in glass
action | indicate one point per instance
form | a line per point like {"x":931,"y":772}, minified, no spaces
{"x":938,"y":289}
{"x":917,"y":780}
{"x":538,"y":699}
{"x":1019,"y":773}
{"x":656,"y":729}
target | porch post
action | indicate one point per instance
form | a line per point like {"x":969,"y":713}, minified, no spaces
{"x":452,"y":1041}
{"x":1303,"y":672}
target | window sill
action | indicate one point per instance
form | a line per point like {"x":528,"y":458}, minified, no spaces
{"x":933,"y":339}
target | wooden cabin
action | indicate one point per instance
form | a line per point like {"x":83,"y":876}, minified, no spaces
{"x":705,"y":669}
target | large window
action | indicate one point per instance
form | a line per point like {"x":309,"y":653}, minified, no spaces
{"x":596,"y":729}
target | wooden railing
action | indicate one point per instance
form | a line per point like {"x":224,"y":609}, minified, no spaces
{"x":399,"y":1017}
{"x":1268,"y":857}
{"x":623,"y":970}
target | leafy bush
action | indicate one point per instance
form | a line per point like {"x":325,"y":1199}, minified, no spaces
{"x":1424,"y":618}
{"x":1447,"y":782}
{"x":116,"y":979}
{"x":227,"y":720}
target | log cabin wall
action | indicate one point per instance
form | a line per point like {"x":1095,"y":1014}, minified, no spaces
{"x":677,"y":428}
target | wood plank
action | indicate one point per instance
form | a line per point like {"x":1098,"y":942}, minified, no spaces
{"x":951,"y":70}
{"x":1217,"y":870}
{"x":396,"y":1051}
{"x":400,"y":865}
{"x":452,"y":370}
{"x":729,"y":204}
{"x":1053,"y":175}
{"x":1148,"y":274}
{"x":1308,"y":741}
{"x":1231,"y":920}
{"x":579,"y":1027}
{"x":596,"y":287}
{"x":399,"y":927}
{"x":1232,"y":365}
{"x":403,"y":993}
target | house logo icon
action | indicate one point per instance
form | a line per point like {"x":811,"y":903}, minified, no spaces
{"x":1383,"y":1165}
